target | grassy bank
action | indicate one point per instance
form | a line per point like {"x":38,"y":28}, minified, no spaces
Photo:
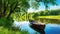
{"x":6,"y":31}
{"x":50,"y":17}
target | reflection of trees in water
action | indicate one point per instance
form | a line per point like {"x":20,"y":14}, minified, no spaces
{"x":57,"y":21}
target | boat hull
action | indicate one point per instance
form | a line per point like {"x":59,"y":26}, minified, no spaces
{"x":39,"y":28}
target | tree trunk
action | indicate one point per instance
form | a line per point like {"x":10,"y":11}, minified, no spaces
{"x":5,"y":7}
{"x":0,"y":8}
{"x":13,"y":9}
{"x":9,"y":14}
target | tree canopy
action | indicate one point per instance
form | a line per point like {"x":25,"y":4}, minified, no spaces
{"x":36,"y":3}
{"x":7,"y":7}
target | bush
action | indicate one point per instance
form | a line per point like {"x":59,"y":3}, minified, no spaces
{"x":6,"y":22}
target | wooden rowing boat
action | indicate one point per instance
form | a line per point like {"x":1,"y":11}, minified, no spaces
{"x":39,"y":27}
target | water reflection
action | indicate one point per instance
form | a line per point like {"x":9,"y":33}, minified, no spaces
{"x":24,"y":25}
{"x":53,"y":28}
{"x":49,"y":29}
{"x":53,"y":24}
{"x":52,"y":21}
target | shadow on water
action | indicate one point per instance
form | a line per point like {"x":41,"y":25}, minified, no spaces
{"x":37,"y":26}
{"x":37,"y":29}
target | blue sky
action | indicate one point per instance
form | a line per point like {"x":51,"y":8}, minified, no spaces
{"x":42,"y":7}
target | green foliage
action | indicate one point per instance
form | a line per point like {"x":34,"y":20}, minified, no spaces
{"x":7,"y":7}
{"x":24,"y":32}
{"x":6,"y":22}
{"x":6,"y":31}
{"x":2,"y":21}
{"x":25,"y":16}
{"x":21,"y":16}
{"x":36,"y":3}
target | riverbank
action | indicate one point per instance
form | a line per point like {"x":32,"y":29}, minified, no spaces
{"x":50,"y":17}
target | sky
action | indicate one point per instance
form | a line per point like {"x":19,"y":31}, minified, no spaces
{"x":42,"y":7}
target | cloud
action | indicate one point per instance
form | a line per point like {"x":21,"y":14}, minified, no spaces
{"x":42,"y":8}
{"x":55,"y":7}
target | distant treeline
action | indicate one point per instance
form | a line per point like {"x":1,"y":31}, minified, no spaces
{"x":48,"y":13}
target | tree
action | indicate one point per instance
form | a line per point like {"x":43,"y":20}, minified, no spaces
{"x":0,"y":7}
{"x":10,"y":6}
{"x":7,"y":7}
{"x":36,"y":3}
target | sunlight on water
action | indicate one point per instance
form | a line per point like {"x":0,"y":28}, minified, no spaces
{"x":24,"y":25}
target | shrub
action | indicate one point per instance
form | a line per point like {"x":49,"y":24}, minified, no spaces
{"x":6,"y":22}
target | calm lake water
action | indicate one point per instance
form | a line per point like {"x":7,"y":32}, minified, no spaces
{"x":53,"y":26}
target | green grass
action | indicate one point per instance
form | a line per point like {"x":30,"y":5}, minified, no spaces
{"x":50,"y":17}
{"x":6,"y":31}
